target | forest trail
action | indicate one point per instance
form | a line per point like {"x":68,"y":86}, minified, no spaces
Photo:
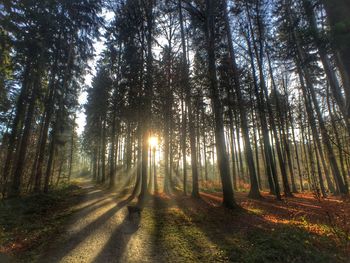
{"x":98,"y":232}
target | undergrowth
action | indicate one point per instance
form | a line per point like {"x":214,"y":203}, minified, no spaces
{"x":27,"y":223}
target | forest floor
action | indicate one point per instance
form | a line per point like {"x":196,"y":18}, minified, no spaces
{"x":181,"y":229}
{"x":27,"y":223}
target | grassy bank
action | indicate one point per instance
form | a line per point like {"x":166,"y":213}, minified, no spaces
{"x":28,"y":223}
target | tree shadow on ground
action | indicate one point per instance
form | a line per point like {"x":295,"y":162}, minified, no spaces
{"x":114,"y":249}
{"x":244,"y":236}
{"x":171,"y":243}
{"x":103,"y":201}
{"x":77,"y":238}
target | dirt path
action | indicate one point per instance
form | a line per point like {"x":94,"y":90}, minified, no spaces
{"x":99,"y":232}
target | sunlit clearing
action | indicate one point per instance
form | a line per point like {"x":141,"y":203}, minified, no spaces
{"x":153,"y":141}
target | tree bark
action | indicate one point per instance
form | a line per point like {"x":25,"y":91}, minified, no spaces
{"x":22,"y":151}
{"x":222,"y":158}
{"x":338,"y":16}
{"x":254,"y":188}
{"x":189,"y":104}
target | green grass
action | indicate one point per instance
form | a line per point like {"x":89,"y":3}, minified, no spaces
{"x":27,"y":223}
{"x":289,"y":244}
{"x":186,"y":235}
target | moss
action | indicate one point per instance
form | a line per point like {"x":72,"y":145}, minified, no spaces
{"x":288,"y":244}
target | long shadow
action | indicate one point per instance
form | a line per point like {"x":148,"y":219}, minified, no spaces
{"x":157,"y":245}
{"x":114,"y":249}
{"x":96,"y":193}
{"x":87,"y":209}
{"x":90,"y":204}
{"x":81,"y":213}
{"x":215,"y":225}
{"x":81,"y":235}
{"x":162,"y":247}
{"x":259,"y":232}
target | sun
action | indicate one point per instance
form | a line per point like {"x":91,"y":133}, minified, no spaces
{"x":153,"y":141}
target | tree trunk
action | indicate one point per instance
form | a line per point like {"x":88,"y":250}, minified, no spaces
{"x":16,"y":126}
{"x":112,"y":151}
{"x":319,"y":172}
{"x":51,"y":158}
{"x":264,"y":103}
{"x":189,"y":104}
{"x":183,"y":140}
{"x":254,"y":188}
{"x":312,"y":121}
{"x":103,"y":149}
{"x":338,"y":16}
{"x":22,"y":151}
{"x":325,"y":138}
{"x":147,"y":100}
{"x":154,"y":172}
{"x":296,"y":151}
{"x":309,"y":85}
{"x":330,"y":73}
{"x":222,"y":158}
{"x":71,"y":151}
